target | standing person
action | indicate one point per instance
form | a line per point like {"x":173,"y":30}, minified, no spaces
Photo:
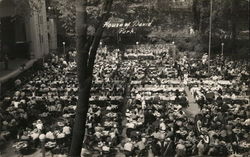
{"x":1,"y":118}
{"x":67,"y":56}
{"x":2,"y":138}
{"x":5,"y":52}
{"x":168,"y":148}
{"x":141,"y":146}
{"x":150,"y":152}
{"x":180,"y":149}
{"x":179,"y":72}
{"x":128,"y":148}
{"x":201,"y":148}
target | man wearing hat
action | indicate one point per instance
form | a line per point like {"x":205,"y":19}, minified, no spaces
{"x":180,"y":149}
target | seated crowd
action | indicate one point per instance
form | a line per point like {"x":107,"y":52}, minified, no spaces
{"x":137,"y":106}
{"x":43,"y":109}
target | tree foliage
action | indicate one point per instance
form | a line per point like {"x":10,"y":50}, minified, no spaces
{"x":65,"y":10}
{"x":228,"y":18}
{"x":129,"y":11}
{"x":225,"y":14}
{"x":26,"y":7}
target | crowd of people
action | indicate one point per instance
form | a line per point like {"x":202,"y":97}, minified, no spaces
{"x":105,"y":116}
{"x":154,"y":117}
{"x":156,"y":124}
{"x":137,"y":106}
{"x":223,"y":97}
{"x":42,"y":109}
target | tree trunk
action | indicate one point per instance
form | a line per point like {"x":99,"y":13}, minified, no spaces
{"x":234,"y":25}
{"x":80,"y":119}
{"x":84,"y":84}
{"x":86,"y":51}
{"x":196,"y":14}
{"x":200,"y":23}
{"x":202,"y":13}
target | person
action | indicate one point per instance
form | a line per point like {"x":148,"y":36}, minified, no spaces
{"x":2,"y":138}
{"x":67,"y":56}
{"x":168,"y":148}
{"x":201,"y":148}
{"x":180,"y":149}
{"x":150,"y":152}
{"x":5,"y":52}
{"x":1,"y":118}
{"x":141,"y":146}
{"x":180,"y":73}
{"x":128,"y":147}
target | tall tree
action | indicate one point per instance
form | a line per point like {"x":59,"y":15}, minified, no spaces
{"x":86,"y":49}
{"x":234,"y":24}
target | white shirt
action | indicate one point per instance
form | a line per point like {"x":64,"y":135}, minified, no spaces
{"x":130,"y":125}
{"x":105,"y":148}
{"x":15,"y":104}
{"x":143,"y":104}
{"x":163,"y":126}
{"x":128,"y":147}
{"x":98,"y":134}
{"x":39,"y":126}
{"x":60,"y":135}
{"x":247,"y":122}
{"x":138,"y":96}
{"x":66,"y":130}
{"x":50,"y":135}
{"x":141,"y":145}
{"x":34,"y":135}
{"x":112,"y":135}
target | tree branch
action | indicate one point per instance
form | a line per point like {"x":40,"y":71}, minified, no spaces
{"x":98,"y":35}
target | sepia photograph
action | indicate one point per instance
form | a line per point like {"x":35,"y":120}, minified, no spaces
{"x":124,"y":78}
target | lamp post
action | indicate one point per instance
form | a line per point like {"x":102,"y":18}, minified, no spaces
{"x":101,"y":49}
{"x":100,"y":44}
{"x":63,"y":47}
{"x":137,"y":47}
{"x":210,"y":34}
{"x":222,"y":50}
{"x":174,"y":50}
